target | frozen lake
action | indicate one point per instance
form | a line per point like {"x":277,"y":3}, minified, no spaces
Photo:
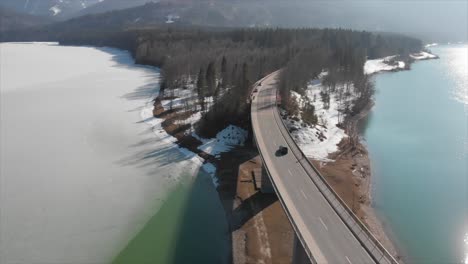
{"x":82,"y":171}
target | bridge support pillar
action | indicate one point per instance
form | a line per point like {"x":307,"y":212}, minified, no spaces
{"x":267,"y":186}
{"x":299,"y":254}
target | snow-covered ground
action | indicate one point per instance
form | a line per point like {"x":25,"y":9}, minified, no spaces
{"x":388,"y":63}
{"x":382,"y":64}
{"x":423,"y":56}
{"x":318,"y":141}
{"x":81,"y":173}
{"x":431,"y":45}
{"x":225,"y":140}
{"x":56,"y":10}
{"x":171,"y":18}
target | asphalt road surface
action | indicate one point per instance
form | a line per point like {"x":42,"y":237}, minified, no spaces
{"x":325,"y":235}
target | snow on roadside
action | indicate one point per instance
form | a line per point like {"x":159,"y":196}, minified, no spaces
{"x":225,"y":140}
{"x":318,"y":141}
{"x":382,"y":64}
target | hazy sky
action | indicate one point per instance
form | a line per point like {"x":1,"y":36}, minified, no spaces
{"x":425,"y":18}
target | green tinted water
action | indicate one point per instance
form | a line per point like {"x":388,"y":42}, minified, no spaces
{"x":190,"y":227}
{"x":417,"y":139}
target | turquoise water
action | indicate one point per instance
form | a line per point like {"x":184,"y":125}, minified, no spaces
{"x":417,"y":139}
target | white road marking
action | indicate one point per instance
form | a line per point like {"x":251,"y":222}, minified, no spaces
{"x":324,"y":225}
{"x":290,"y":173}
{"x":348,"y":260}
{"x":303,"y":194}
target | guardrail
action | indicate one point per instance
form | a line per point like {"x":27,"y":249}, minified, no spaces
{"x":375,"y":249}
{"x":288,"y":214}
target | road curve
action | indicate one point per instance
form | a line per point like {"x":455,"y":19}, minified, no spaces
{"x":324,"y":235}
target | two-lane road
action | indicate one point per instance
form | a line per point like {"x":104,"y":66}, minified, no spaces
{"x":325,"y":235}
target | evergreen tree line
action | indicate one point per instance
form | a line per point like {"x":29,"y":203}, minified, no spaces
{"x":226,"y":63}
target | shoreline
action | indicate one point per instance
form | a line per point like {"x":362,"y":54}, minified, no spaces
{"x":351,"y":167}
{"x":353,"y":163}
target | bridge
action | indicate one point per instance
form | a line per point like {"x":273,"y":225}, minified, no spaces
{"x":326,"y":230}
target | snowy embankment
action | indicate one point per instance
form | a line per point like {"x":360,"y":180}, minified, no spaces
{"x":319,"y":141}
{"x":423,"y":56}
{"x":227,"y":139}
{"x":224,"y":141}
{"x":391,"y":63}
{"x":431,"y":45}
{"x":383,"y":64}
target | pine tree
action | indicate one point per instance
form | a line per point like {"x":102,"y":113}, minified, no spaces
{"x":211,"y":78}
{"x":224,"y":75}
{"x":201,"y":89}
{"x":245,"y":80}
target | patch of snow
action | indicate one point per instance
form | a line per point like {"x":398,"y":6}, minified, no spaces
{"x":382,"y":64}
{"x":423,"y":56}
{"x":224,"y":141}
{"x":55,"y":9}
{"x":171,"y":18}
{"x":184,"y":96}
{"x":431,"y":45}
{"x":318,"y":141}
{"x":193,"y":119}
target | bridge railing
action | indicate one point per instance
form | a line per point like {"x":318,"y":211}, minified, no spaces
{"x":375,"y":249}
{"x":288,"y":213}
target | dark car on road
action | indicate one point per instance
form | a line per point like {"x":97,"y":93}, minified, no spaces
{"x":282,"y":150}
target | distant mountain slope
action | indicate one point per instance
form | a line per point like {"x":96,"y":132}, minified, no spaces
{"x":52,"y":8}
{"x":12,"y":20}
{"x":110,"y":5}
{"x":413,"y":18}
{"x":148,"y":14}
{"x":198,"y":13}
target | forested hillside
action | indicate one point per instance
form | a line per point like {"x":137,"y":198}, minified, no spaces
{"x":11,"y":20}
{"x":229,"y":62}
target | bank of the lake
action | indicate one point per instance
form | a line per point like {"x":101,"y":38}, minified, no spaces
{"x":86,"y":176}
{"x":416,"y":135}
